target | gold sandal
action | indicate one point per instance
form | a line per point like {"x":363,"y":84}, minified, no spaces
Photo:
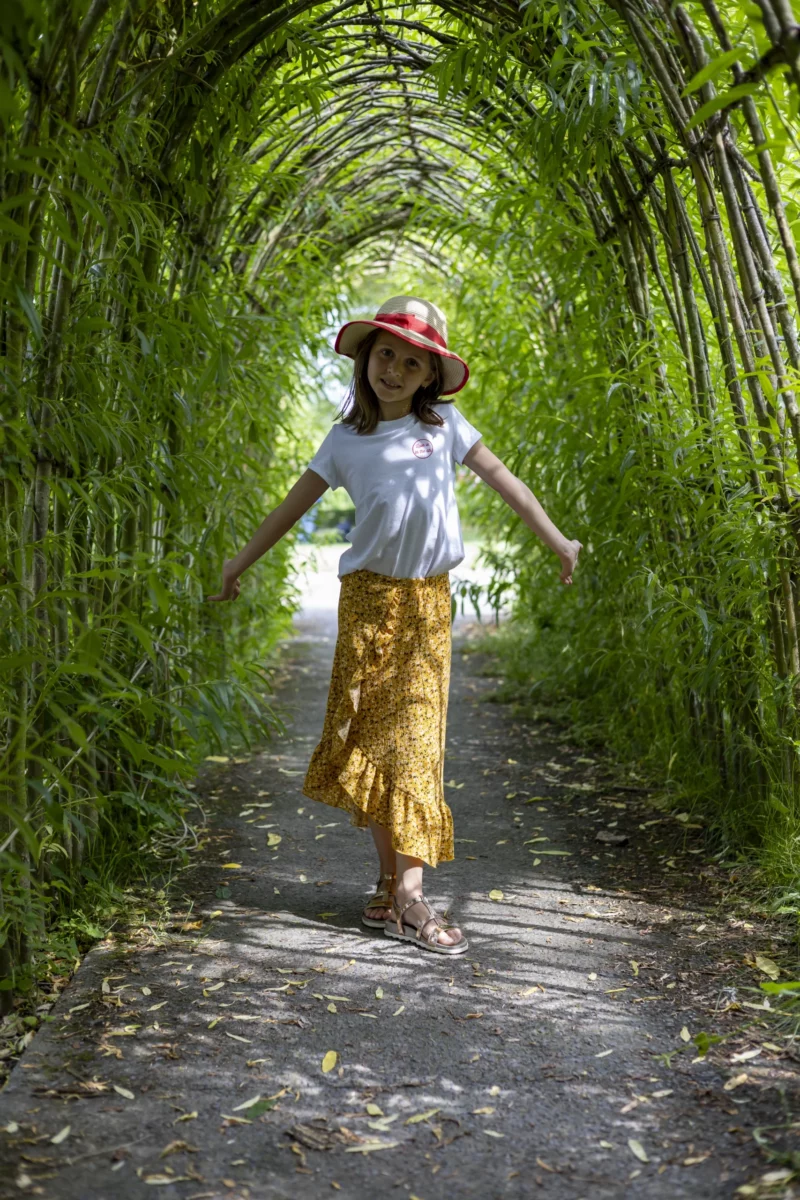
{"x":396,"y":928}
{"x":384,"y":895}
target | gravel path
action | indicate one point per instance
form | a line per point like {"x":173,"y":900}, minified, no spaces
{"x":527,"y":1067}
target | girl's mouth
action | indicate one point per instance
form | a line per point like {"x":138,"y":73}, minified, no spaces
{"x":393,"y":387}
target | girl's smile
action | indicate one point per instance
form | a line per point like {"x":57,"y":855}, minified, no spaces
{"x":396,"y":370}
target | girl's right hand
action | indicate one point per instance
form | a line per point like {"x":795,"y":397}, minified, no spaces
{"x":569,"y":559}
{"x":230,"y":583}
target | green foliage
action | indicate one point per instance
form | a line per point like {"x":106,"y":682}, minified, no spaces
{"x":600,"y":198}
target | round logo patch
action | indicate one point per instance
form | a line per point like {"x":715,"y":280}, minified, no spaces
{"x":422,"y":448}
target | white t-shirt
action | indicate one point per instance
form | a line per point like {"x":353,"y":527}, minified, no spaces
{"x":401,"y":480}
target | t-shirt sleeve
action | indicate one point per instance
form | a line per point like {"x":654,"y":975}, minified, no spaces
{"x":464,"y":435}
{"x":324,"y":461}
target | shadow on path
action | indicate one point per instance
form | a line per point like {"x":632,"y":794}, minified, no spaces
{"x":529,"y":1066}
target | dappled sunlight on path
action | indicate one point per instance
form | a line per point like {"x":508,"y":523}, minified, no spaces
{"x":528,"y":1066}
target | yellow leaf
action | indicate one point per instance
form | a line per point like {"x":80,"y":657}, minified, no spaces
{"x":379,"y":993}
{"x":494,"y":1090}
{"x":192,"y":1116}
{"x":638,"y":1150}
{"x":493,"y":1133}
{"x":211,"y":1024}
{"x":482,"y":1112}
{"x":62,"y":1134}
{"x":236,"y":1038}
{"x":155,"y":1007}
{"x":273,"y":839}
{"x":735,"y":1082}
{"x":248,"y":1103}
{"x":685,"y":1036}
{"x":231,"y":866}
{"x":397,"y":1011}
{"x":123,"y":1091}
{"x":332,"y":1008}
{"x":216,"y":913}
{"x":368,"y":1147}
{"x":214,"y":988}
{"x":374,"y":1110}
{"x":423,"y":1116}
{"x":329,"y":1061}
{"x":634,"y":966}
{"x":217,"y":758}
{"x":767,"y":966}
{"x":495,"y":894}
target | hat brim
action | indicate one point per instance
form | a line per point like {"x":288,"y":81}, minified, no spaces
{"x":454,"y":369}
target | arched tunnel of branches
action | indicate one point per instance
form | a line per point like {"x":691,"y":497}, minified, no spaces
{"x":599,"y":193}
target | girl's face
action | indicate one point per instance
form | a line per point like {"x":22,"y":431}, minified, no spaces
{"x":395,"y":369}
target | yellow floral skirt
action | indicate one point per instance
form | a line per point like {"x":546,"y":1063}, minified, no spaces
{"x":381,"y":753}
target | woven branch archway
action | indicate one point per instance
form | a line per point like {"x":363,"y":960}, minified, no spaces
{"x":185,"y":188}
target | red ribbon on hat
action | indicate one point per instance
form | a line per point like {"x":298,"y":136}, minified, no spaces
{"x":413,"y":324}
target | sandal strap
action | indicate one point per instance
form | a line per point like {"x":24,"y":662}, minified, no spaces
{"x":382,"y":895}
{"x":433,"y":937}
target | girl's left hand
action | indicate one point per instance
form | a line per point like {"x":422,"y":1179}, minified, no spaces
{"x":230,"y":583}
{"x":569,"y":559}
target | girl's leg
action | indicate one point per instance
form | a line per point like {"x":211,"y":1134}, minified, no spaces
{"x":409,"y":883}
{"x":383,"y":844}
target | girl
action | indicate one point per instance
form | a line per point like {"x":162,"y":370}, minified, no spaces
{"x":381,"y":754}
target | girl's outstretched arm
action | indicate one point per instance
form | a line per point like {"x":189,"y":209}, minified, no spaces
{"x":519,"y":496}
{"x":298,"y":501}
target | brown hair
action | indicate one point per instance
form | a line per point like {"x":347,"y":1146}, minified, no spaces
{"x":360,"y":407}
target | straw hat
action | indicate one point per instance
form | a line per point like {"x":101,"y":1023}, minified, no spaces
{"x":415,"y":321}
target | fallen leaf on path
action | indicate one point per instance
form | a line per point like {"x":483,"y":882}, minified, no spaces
{"x":423,"y":1116}
{"x":164,"y":1179}
{"x":493,"y":1133}
{"x":768,"y":967}
{"x":178,"y":1148}
{"x":236,"y":1038}
{"x":545,"y":1166}
{"x":155,"y":1007}
{"x":286,"y":771}
{"x":609,"y":838}
{"x":222,"y":758}
{"x":483,"y":1112}
{"x":374,"y":1110}
{"x":735,"y":1081}
{"x":634,"y":966}
{"x":58,"y":1138}
{"x":745,"y":1055}
{"x":604,"y":1053}
{"x":332,"y":1008}
{"x":214,"y":988}
{"x":273,"y":839}
{"x":397,"y":1011}
{"x":452,"y":783}
{"x":329,"y":1061}
{"x":231,"y":866}
{"x":495,"y":894}
{"x":637,"y":1149}
{"x":689,"y":1162}
{"x":192,"y":1116}
{"x":368,"y":1147}
{"x":122,"y":1091}
{"x":379,"y":993}
{"x":685,"y":1036}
